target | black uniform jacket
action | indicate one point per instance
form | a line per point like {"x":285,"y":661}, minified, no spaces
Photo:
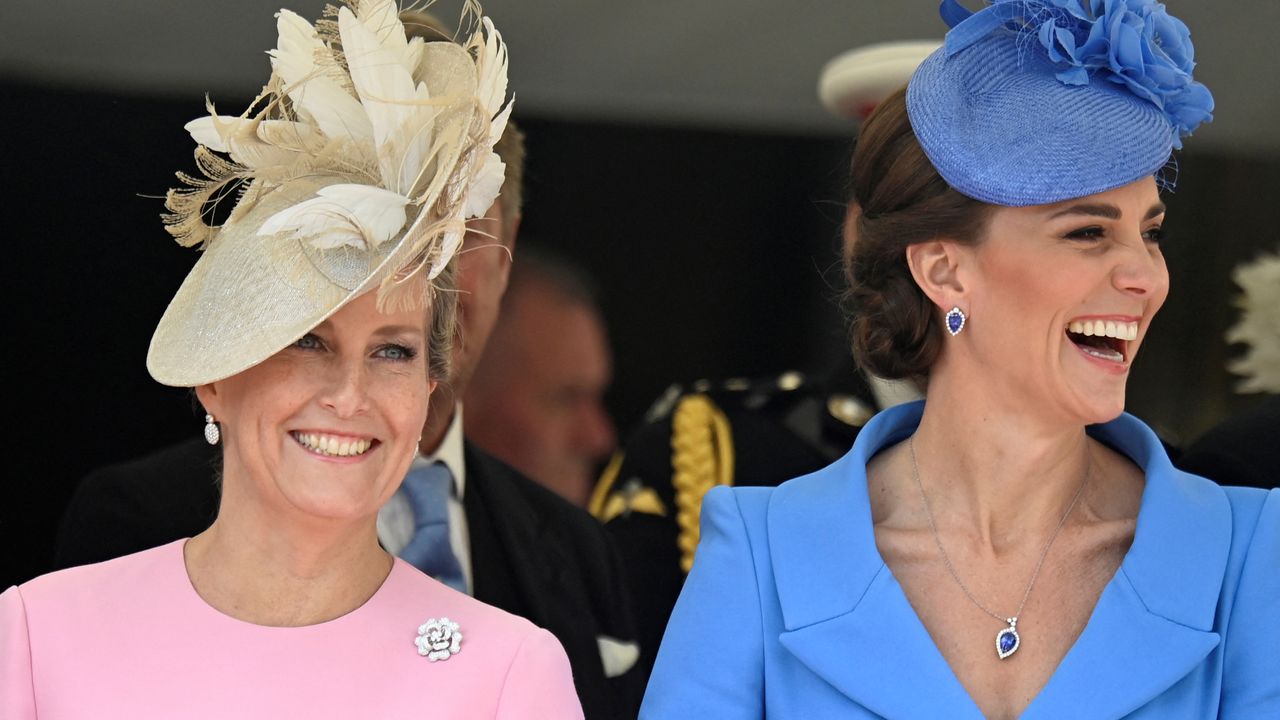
{"x":737,"y":432}
{"x":533,"y":554}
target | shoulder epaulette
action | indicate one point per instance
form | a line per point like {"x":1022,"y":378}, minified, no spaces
{"x":701,"y":458}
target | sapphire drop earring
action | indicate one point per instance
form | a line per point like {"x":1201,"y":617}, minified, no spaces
{"x":955,"y":321}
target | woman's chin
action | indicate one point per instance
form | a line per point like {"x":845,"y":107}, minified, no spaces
{"x":332,"y":504}
{"x":1095,"y":397}
{"x":1102,"y":408}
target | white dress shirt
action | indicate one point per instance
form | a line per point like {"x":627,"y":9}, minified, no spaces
{"x":395,"y":519}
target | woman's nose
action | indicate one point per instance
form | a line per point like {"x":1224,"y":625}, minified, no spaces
{"x":1141,"y":271}
{"x":346,"y":391}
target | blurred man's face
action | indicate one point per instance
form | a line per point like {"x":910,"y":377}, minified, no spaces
{"x":536,"y":399}
{"x":484,"y":264}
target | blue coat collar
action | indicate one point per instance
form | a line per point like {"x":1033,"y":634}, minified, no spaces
{"x":847,"y":619}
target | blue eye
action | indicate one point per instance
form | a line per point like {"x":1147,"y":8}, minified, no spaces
{"x":398,"y":353}
{"x":308,"y":342}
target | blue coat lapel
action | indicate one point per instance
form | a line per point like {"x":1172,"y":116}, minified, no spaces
{"x":846,"y":618}
{"x":880,"y":656}
{"x":1153,"y":623}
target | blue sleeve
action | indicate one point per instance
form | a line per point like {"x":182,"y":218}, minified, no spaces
{"x":711,"y":663}
{"x":1250,"y":678}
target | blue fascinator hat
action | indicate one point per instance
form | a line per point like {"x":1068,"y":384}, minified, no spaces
{"x":1030,"y":102}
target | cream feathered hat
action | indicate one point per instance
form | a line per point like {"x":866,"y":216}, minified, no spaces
{"x":357,"y":167}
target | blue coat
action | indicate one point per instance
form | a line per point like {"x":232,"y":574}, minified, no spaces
{"x":790,"y":612}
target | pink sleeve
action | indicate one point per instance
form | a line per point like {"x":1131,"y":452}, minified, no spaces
{"x":17,"y":694}
{"x":539,"y":682}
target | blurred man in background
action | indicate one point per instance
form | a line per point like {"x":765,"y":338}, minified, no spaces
{"x":535,"y":400}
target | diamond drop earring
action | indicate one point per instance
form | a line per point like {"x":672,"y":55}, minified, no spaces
{"x":211,"y":432}
{"x":955,"y":321}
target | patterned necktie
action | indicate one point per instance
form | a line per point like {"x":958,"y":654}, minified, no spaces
{"x":428,"y":490}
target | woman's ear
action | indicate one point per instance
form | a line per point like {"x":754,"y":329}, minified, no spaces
{"x":512,"y":232}
{"x":936,"y":266}
{"x":209,"y":399}
{"x":849,"y":230}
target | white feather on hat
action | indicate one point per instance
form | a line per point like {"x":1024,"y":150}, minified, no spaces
{"x":358,"y":166}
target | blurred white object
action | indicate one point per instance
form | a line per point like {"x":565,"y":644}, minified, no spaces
{"x":893,"y":392}
{"x":617,"y":655}
{"x":854,"y":82}
{"x":1259,"y":325}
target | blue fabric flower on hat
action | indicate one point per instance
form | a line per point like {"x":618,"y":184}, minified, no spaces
{"x":1134,"y":43}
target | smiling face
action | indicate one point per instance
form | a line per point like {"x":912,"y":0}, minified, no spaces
{"x":327,"y":427}
{"x":1059,"y":298}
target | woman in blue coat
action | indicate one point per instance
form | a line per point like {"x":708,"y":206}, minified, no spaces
{"x":1016,"y":545}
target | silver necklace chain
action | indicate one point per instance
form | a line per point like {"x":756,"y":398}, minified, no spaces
{"x":946,"y":560}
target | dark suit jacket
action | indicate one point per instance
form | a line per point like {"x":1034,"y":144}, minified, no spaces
{"x":1243,"y":450}
{"x":532,"y":553}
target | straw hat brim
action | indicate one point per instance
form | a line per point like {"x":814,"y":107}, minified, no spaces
{"x":248,"y":297}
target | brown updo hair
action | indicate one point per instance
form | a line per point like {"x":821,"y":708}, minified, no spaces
{"x":898,"y":199}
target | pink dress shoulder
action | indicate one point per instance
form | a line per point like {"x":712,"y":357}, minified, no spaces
{"x":130,"y":638}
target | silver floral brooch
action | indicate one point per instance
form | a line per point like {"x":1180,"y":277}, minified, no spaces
{"x":439,"y":639}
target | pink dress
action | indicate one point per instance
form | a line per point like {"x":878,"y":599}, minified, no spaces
{"x":130,"y":638}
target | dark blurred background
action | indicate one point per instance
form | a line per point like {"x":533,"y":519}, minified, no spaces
{"x":676,"y":150}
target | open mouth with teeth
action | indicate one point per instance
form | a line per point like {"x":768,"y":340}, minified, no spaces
{"x":1103,"y":339}
{"x":334,"y":445}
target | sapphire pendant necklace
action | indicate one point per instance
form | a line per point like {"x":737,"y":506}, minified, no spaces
{"x":1007,"y":640}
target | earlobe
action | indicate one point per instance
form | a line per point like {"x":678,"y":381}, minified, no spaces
{"x":849,"y":231}
{"x":209,"y":400}
{"x":208,"y":397}
{"x":935,"y":266}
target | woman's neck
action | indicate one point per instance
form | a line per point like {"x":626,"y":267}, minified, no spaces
{"x":267,"y":570}
{"x":997,"y":474}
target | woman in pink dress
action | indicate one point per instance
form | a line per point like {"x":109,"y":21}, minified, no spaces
{"x":313,"y":329}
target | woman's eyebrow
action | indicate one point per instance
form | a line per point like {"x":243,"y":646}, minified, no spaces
{"x":399,"y":330}
{"x":1110,"y":212}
